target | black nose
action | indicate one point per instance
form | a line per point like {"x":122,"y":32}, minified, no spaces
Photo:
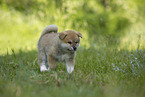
{"x":75,"y":48}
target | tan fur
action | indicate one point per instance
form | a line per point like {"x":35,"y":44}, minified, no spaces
{"x":54,"y":47}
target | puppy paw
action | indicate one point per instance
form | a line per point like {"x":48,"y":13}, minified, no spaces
{"x":70,"y":69}
{"x":43,"y":68}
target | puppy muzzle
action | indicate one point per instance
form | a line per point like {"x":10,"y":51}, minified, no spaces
{"x":74,"y":48}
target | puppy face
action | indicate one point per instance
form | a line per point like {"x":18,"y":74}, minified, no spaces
{"x":70,"y":40}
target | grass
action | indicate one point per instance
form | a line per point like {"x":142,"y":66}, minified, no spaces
{"x":102,"y":71}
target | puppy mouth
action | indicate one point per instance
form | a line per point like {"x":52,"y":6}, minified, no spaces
{"x":72,"y":49}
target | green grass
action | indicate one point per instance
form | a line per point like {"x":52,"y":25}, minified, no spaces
{"x":99,"y":71}
{"x":104,"y":72}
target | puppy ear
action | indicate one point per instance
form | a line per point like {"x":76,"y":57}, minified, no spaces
{"x":62,"y":35}
{"x":79,"y":34}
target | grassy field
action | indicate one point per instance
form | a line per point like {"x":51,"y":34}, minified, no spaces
{"x":103,"y":71}
{"x":98,"y":72}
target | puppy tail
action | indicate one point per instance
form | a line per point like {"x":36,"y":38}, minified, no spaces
{"x":49,"y":29}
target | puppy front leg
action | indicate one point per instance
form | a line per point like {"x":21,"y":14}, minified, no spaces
{"x":70,"y":65}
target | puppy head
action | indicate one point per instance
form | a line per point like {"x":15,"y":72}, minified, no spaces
{"x":70,"y":39}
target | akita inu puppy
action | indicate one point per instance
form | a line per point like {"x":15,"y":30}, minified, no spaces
{"x":54,"y":47}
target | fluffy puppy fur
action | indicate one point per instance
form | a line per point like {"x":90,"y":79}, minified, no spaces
{"x":54,"y":47}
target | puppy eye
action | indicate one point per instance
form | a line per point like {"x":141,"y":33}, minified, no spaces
{"x":76,"y":42}
{"x":69,"y":42}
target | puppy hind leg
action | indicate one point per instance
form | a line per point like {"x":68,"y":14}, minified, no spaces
{"x":51,"y":62}
{"x":42,"y":61}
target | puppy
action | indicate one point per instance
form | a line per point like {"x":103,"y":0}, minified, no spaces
{"x":54,"y":47}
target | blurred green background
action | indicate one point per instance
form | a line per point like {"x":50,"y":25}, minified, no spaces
{"x":103,"y":23}
{"x":110,"y":61}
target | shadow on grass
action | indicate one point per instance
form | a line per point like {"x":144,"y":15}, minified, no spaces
{"x":21,"y":61}
{"x":20,"y":58}
{"x":23,"y":65}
